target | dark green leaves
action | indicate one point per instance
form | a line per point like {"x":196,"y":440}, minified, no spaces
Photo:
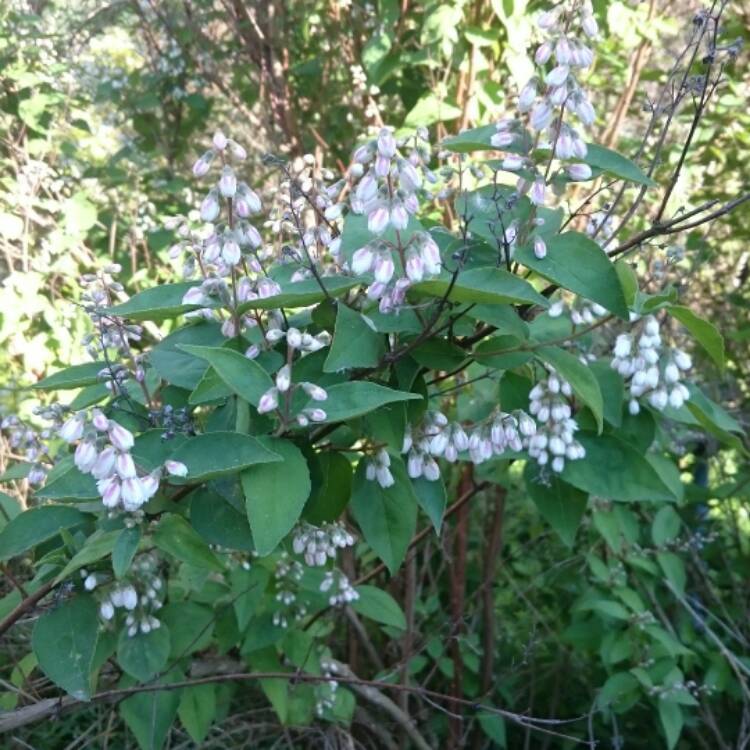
{"x":380,"y":606}
{"x":487,"y":285}
{"x":76,"y":376}
{"x":218,"y":453}
{"x":243,"y":376}
{"x":64,"y":641}
{"x":386,"y":516}
{"x":36,"y":525}
{"x":705,"y":333}
{"x":126,"y":545}
{"x":175,"y":536}
{"x":615,"y":470}
{"x":577,"y":263}
{"x":149,"y":715}
{"x":581,"y":379}
{"x":302,"y":293}
{"x":156,"y":303}
{"x":560,"y":504}
{"x":615,"y":164}
{"x":143,"y":655}
{"x":275,"y":494}
{"x":355,"y":342}
{"x":348,"y":400}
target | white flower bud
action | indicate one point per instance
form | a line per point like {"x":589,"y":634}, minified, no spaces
{"x":72,"y":429}
{"x":176,"y":468}
{"x":284,"y":379}
{"x":268,"y":401}
{"x":121,"y":438}
{"x":227,"y":182}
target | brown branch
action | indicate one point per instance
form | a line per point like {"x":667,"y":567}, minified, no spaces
{"x":25,"y":606}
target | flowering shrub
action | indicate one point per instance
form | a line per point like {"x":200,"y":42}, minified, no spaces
{"x":249,"y":439}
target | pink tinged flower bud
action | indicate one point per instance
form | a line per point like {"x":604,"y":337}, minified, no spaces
{"x":386,"y":143}
{"x":362,"y":260}
{"x":585,"y":111}
{"x":579,"y":148}
{"x":201,"y":167}
{"x":384,"y":268}
{"x":238,"y":152}
{"x":252,"y":198}
{"x":72,"y":429}
{"x":228,"y":182}
{"x":415,"y":268}
{"x":241,"y":206}
{"x":548,"y":19}
{"x":543,"y":53}
{"x":150,"y":485}
{"x":513,"y":162}
{"x":376,"y":290}
{"x":125,"y":466}
{"x":176,"y":468}
{"x":399,"y":216}
{"x":284,"y":379}
{"x":377,"y":220}
{"x":132,"y":494}
{"x":525,"y":98}
{"x":230,"y":252}
{"x":540,"y":247}
{"x":557,"y":76}
{"x":211,"y":250}
{"x":315,"y":392}
{"x":590,"y":26}
{"x":268,"y":401}
{"x":382,"y":166}
{"x":579,"y":171}
{"x":316,"y":415}
{"x":210,"y":207}
{"x":110,"y":490}
{"x":367,"y":188}
{"x":104,"y":464}
{"x":229,"y":328}
{"x":563,"y":52}
{"x":363,"y":154}
{"x":85,"y":456}
{"x":501,"y":140}
{"x":252,"y":352}
{"x":431,"y":256}
{"x":410,"y":179}
{"x":558,"y":95}
{"x":252,"y":235}
{"x":411,"y":204}
{"x":99,"y":420}
{"x":541,"y":115}
{"x":220,"y":140}
{"x":268,"y":288}
{"x":121,"y":438}
{"x":536,"y":194}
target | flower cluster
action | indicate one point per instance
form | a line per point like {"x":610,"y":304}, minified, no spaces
{"x":580,"y":310}
{"x":287,"y":576}
{"x":318,"y":544}
{"x":325,"y":692}
{"x":378,"y":469}
{"x":140,"y":596}
{"x":386,"y":193}
{"x":342,"y":591}
{"x":650,"y":369}
{"x":556,"y":427}
{"x":29,"y":442}
{"x":104,"y":450}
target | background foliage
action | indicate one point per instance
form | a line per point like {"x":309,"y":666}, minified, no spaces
{"x":537,"y":601}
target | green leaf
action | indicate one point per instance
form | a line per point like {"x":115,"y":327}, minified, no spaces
{"x":674,"y":570}
{"x":197,"y":711}
{"x":156,"y":303}
{"x":429,"y":110}
{"x":71,"y":484}
{"x":628,"y":476}
{"x":76,"y":376}
{"x":494,"y":727}
{"x":705,"y":333}
{"x":9,"y":509}
{"x":355,"y":342}
{"x":615,"y":164}
{"x":665,"y":526}
{"x":432,"y":499}
{"x":485,"y":285}
{"x":244,"y":377}
{"x":331,"y":478}
{"x":64,"y":641}
{"x":177,"y":367}
{"x":578,"y":264}
{"x":672,"y":721}
{"x":380,"y":606}
{"x":612,"y":388}
{"x":353,"y":399}
{"x":582,"y":380}
{"x":560,"y":504}
{"x":479,"y":139}
{"x":143,"y":655}
{"x":190,"y":624}
{"x":100,"y":544}
{"x":215,"y":454}
{"x":387,"y":516}
{"x":503,"y":317}
{"x":248,"y":591}
{"x":149,"y":715}
{"x":275,"y":494}
{"x":218,"y":522}
{"x":302,"y":293}
{"x":629,"y":281}
{"x":35,"y":526}
{"x":124,"y":550}
{"x":175,"y":536}
{"x":18,"y":470}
